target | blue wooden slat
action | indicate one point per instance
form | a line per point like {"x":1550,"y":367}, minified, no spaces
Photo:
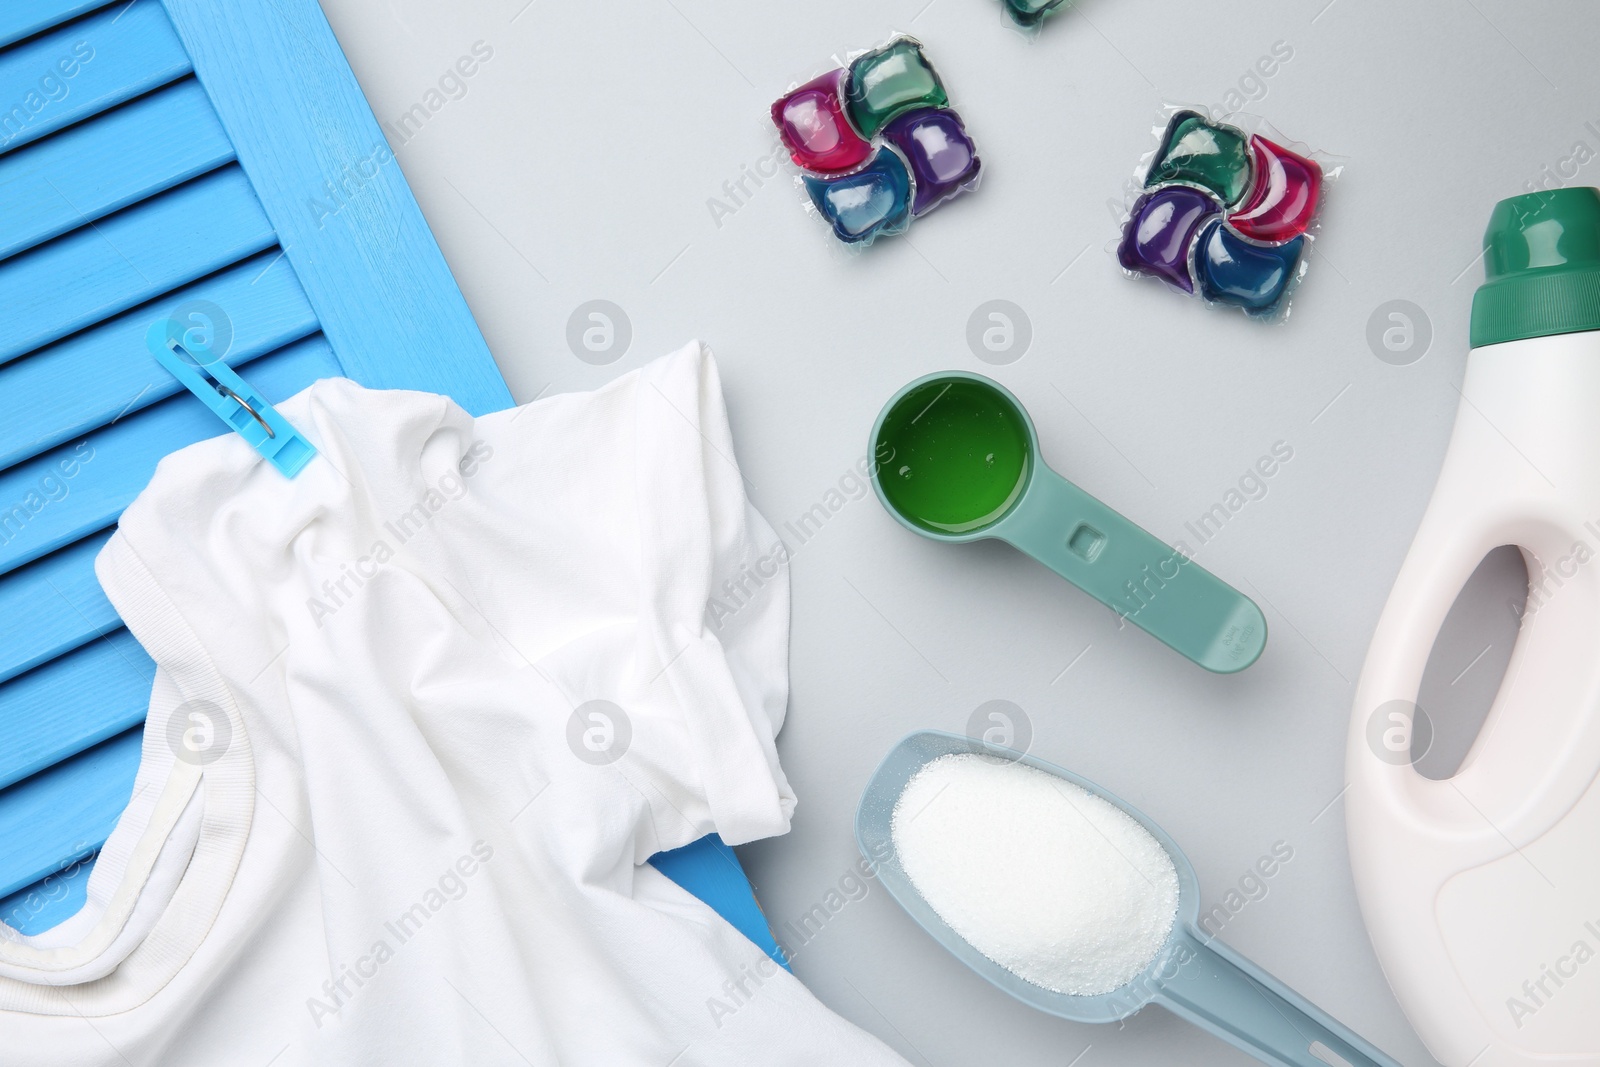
{"x":382,"y":291}
{"x":115,"y":159}
{"x":19,"y":19}
{"x":84,"y":67}
{"x":51,"y":901}
{"x":51,"y":606}
{"x":65,"y":811}
{"x":112,"y":56}
{"x":42,"y":509}
{"x":133,"y":256}
{"x":72,"y":703}
{"x":105,"y":373}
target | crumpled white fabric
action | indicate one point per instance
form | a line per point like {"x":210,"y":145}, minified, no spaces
{"x":415,"y":845}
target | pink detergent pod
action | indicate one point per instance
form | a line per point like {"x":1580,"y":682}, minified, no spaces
{"x":813,"y":127}
{"x":1283,"y":194}
{"x":1222,"y":211}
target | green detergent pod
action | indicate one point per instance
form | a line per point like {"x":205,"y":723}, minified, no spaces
{"x":1211,"y":155}
{"x":889,"y":80}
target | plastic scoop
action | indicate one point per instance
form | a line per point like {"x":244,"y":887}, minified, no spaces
{"x":957,"y":459}
{"x":1192,"y":975}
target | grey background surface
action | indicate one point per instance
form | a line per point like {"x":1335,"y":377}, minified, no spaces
{"x":580,"y":163}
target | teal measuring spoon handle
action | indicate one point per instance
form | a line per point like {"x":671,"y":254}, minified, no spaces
{"x":1218,"y":990}
{"x":1137,"y":575}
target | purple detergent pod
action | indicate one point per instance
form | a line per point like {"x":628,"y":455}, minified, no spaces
{"x":944,"y":161}
{"x":876,"y":142}
{"x":1225,"y":211}
{"x":1160,"y":233}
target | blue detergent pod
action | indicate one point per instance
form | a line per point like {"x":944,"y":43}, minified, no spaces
{"x":1232,"y":270}
{"x":872,"y":202}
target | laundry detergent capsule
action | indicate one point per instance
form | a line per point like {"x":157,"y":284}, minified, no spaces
{"x":876,"y":142}
{"x":1223,"y":211}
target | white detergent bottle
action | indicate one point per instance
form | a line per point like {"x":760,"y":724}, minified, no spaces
{"x":1482,"y":892}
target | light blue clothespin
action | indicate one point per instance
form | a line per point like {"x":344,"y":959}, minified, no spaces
{"x":233,"y":400}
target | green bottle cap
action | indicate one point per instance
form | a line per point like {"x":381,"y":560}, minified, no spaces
{"x":1541,"y":267}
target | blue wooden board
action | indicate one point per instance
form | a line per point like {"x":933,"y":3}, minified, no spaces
{"x":136,"y":255}
{"x":51,"y":607}
{"x":267,"y":309}
{"x":62,"y":182}
{"x":78,"y":800}
{"x":101,"y":60}
{"x":383,"y":295}
{"x":161,"y":155}
{"x":43,"y":717}
{"x":112,"y":464}
{"x":57,"y":896}
{"x":24,"y":20}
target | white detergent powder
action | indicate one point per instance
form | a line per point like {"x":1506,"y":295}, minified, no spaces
{"x":1054,"y":884}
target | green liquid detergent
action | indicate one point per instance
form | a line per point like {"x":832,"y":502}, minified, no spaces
{"x":956,"y":461}
{"x":954,"y":455}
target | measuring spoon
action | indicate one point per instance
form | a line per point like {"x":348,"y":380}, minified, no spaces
{"x":1192,"y":975}
{"x":957,"y":459}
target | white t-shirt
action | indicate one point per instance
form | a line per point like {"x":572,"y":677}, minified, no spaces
{"x":422,"y":713}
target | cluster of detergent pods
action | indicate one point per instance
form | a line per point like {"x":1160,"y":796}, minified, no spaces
{"x":877,"y":142}
{"x":1223,"y":214}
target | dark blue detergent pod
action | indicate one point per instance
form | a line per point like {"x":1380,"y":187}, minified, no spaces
{"x":1235,"y":271}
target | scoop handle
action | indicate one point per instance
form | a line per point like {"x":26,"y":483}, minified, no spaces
{"x":1137,"y":575}
{"x":1219,"y":990}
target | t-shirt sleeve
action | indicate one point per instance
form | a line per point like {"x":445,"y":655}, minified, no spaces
{"x":616,"y":550}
